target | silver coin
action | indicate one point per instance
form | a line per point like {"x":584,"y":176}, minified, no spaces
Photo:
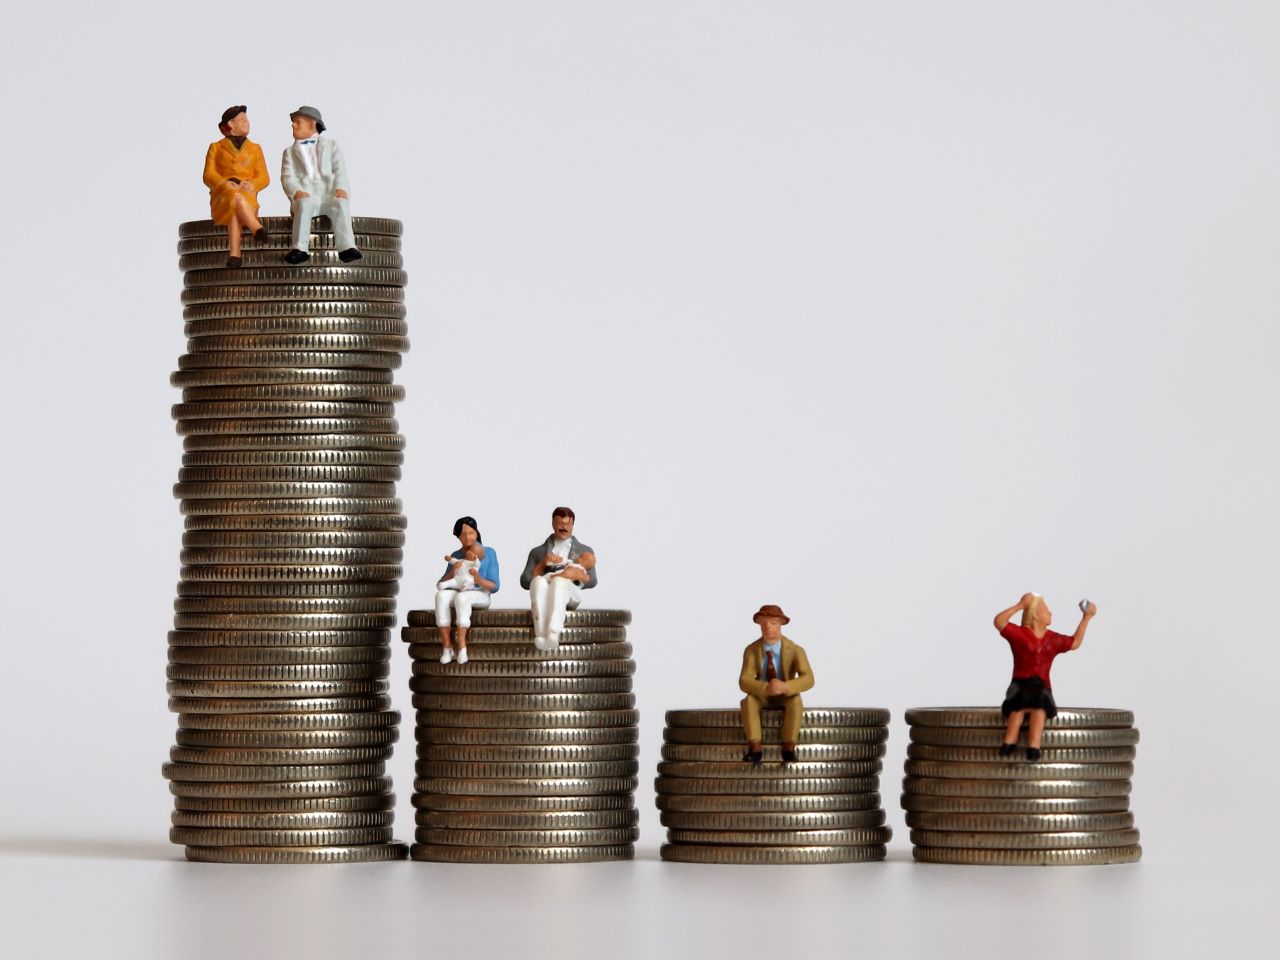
{"x":258,"y":311}
{"x":783,"y":838}
{"x":285,"y":605}
{"x":291,"y":373}
{"x":533,"y":719}
{"x":1076,"y":840}
{"x":560,"y":669}
{"x":807,"y":735}
{"x":523,"y":702}
{"x":499,"y":821}
{"x":362,"y":853}
{"x":488,"y":656}
{"x":278,"y":655}
{"x":766,"y":786}
{"x":362,"y":704}
{"x":813,"y":717}
{"x":520,"y":640}
{"x":283,"y":638}
{"x":288,"y":739}
{"x":295,"y":441}
{"x":341,"y":787}
{"x":543,"y":753}
{"x":268,"y":257}
{"x":835,"y":820}
{"x":444,"y":853}
{"x":311,"y":573}
{"x":499,"y":738}
{"x":291,"y":555}
{"x":538,"y":787}
{"x":745,"y":803}
{"x":300,"y":392}
{"x":695,"y":853}
{"x":311,"y":293}
{"x":1019,"y":823}
{"x":522,"y":618}
{"x":303,"y":426}
{"x":297,"y":490}
{"x":921,"y":751}
{"x":1014,"y":805}
{"x":527,"y":838}
{"x":299,"y":278}
{"x":318,"y":820}
{"x":257,"y":409}
{"x":298,"y":523}
{"x":282,"y":242}
{"x":271,"y":622}
{"x":368,"y":473}
{"x":273,"y":773}
{"x":234,"y":360}
{"x":1019,"y":771}
{"x":283,"y":806}
{"x":773,"y":771}
{"x":217,"y":346}
{"x":290,"y":672}
{"x":732,"y":753}
{"x":520,"y":805}
{"x":279,"y":724}
{"x":519,"y":686}
{"x":291,"y":459}
{"x":283,"y":226}
{"x":279,"y":838}
{"x":1067,"y":718}
{"x":432,"y":769}
{"x":213,"y":691}
{"x":1052,"y":739}
{"x":1016,"y":788}
{"x":1028,"y":858}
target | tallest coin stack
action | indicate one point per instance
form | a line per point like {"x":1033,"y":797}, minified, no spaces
{"x":292,"y":548}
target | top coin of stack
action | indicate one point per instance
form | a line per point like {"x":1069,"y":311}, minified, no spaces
{"x":824,"y":808}
{"x":525,"y":756}
{"x":292,"y":549}
{"x":967,"y":804}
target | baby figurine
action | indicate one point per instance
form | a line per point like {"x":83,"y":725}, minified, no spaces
{"x":462,"y":573}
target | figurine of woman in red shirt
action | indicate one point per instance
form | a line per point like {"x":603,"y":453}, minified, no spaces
{"x":1034,"y":646}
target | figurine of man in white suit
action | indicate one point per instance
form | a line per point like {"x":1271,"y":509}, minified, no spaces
{"x":315,"y":181}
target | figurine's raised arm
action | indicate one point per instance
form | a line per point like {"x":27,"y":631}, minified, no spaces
{"x":1090,"y":610}
{"x":1004,"y":616}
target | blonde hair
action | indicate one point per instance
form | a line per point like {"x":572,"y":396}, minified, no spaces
{"x":1029,"y":612}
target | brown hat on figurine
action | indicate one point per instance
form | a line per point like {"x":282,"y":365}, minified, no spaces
{"x":771,"y":610}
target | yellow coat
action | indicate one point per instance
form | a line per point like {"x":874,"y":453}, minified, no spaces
{"x":794,"y":669}
{"x":223,"y":162}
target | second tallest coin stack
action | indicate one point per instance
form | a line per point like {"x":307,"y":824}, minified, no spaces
{"x":291,"y":551}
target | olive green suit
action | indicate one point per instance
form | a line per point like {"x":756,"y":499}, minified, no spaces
{"x":794,"y":669}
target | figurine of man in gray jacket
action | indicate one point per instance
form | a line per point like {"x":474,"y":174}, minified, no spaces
{"x":556,"y":573}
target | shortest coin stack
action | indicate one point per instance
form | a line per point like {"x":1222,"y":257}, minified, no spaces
{"x":825,"y":808}
{"x":967,"y":804}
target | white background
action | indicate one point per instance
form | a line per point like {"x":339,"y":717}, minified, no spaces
{"x":881,"y":312}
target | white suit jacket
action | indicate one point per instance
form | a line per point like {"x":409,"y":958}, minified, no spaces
{"x":332,"y":172}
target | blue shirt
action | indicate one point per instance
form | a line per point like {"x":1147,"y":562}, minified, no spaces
{"x":776,"y":650}
{"x":488,"y":566}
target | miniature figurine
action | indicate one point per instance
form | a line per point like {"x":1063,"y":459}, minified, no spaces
{"x":775,"y":672}
{"x":555,"y":574}
{"x":480,"y":565}
{"x":235,"y":173}
{"x":315,"y":181}
{"x":1034,"y":646}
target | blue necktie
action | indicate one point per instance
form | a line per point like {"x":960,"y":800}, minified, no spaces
{"x":308,"y":141}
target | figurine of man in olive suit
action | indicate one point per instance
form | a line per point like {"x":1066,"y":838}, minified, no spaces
{"x":775,"y":672}
{"x":314,"y":178}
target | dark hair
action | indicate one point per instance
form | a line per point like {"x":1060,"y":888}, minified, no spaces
{"x":563,"y":512}
{"x":230,"y":114}
{"x":467,"y":522}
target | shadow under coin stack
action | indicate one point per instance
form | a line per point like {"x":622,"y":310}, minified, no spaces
{"x":525,"y":756}
{"x":292,"y":549}
{"x":966,"y":804}
{"x":825,"y":808}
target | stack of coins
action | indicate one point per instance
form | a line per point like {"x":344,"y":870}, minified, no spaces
{"x":824,"y":808}
{"x":967,"y":804}
{"x":292,"y":549}
{"x":525,"y":756}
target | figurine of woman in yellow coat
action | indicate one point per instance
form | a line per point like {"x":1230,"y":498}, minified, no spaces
{"x":235,"y":172}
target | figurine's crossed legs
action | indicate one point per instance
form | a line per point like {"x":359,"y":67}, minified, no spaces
{"x":335,"y":208}
{"x":242,"y":215}
{"x":548,"y":601}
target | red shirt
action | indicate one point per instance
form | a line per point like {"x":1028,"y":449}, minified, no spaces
{"x":1032,"y":655}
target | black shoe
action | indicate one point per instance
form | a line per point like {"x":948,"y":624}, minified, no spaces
{"x":1006,"y":749}
{"x":261,"y":235}
{"x":233,"y":262}
{"x":753,"y":757}
{"x":296,"y":257}
{"x":789,"y":756}
{"x":1033,"y":754}
{"x":350,"y":255}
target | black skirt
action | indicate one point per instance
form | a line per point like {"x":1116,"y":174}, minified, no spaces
{"x":1029,"y":693}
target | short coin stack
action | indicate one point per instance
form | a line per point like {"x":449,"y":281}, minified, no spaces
{"x":825,"y":808}
{"x":524,"y":756}
{"x":966,"y":804}
{"x":292,"y":549}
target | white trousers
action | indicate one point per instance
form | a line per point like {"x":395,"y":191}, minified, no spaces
{"x":464,"y":600}
{"x":333,"y":208}
{"x":548,"y":600}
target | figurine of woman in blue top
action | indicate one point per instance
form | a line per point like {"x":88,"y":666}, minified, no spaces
{"x":483,"y":583}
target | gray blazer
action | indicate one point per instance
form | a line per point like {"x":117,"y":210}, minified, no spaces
{"x":576,"y":549}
